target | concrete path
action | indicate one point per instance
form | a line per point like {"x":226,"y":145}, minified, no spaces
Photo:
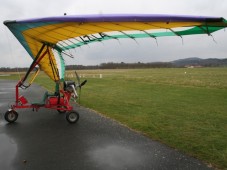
{"x":44,"y":140}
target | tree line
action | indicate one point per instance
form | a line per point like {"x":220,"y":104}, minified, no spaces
{"x":122,"y":65}
{"x":111,"y":65}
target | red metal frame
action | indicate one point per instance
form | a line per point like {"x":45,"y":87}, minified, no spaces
{"x":51,"y":102}
{"x":57,"y":102}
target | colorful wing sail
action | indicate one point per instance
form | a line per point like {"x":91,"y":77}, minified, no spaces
{"x":47,"y":38}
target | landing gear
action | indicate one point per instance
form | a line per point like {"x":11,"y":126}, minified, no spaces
{"x":72,"y":116}
{"x":11,"y":116}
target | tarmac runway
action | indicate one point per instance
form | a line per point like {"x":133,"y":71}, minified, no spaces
{"x":44,"y":140}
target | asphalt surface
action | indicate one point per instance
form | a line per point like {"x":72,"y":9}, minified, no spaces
{"x":45,"y":140}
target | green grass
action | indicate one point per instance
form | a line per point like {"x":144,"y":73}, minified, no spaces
{"x":183,"y":108}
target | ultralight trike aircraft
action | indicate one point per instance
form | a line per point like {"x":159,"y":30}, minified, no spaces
{"x":47,"y":40}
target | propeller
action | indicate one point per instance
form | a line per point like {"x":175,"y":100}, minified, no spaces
{"x":79,"y":85}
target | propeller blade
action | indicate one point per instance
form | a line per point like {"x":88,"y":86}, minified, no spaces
{"x":77,"y":77}
{"x":83,"y":83}
{"x":78,"y":80}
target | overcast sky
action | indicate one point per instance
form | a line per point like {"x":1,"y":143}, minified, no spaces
{"x":146,"y":50}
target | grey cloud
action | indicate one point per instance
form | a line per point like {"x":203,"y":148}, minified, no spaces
{"x":169,"y":48}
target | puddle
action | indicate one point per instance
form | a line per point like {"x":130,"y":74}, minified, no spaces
{"x":2,"y":123}
{"x":116,"y":157}
{"x":8,"y":150}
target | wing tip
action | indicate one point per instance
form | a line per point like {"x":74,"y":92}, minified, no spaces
{"x":9,"y":22}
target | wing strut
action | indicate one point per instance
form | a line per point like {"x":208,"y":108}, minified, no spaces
{"x":150,"y":35}
{"x":54,"y":69}
{"x":133,"y":38}
{"x":177,"y":34}
{"x":32,"y":66}
{"x":206,"y":31}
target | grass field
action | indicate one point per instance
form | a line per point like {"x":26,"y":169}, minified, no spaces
{"x":183,"y":108}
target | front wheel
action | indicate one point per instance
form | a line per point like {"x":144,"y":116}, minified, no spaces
{"x":11,"y":116}
{"x":72,"y":116}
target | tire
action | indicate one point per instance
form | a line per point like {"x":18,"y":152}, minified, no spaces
{"x":72,"y":116}
{"x":11,"y":116}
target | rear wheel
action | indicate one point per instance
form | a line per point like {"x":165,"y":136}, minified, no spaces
{"x":11,"y":116}
{"x":72,"y":116}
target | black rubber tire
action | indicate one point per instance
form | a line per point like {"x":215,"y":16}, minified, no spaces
{"x":11,"y":116}
{"x":72,"y":116}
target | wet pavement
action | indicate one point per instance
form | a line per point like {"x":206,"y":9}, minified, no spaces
{"x":45,"y":140}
